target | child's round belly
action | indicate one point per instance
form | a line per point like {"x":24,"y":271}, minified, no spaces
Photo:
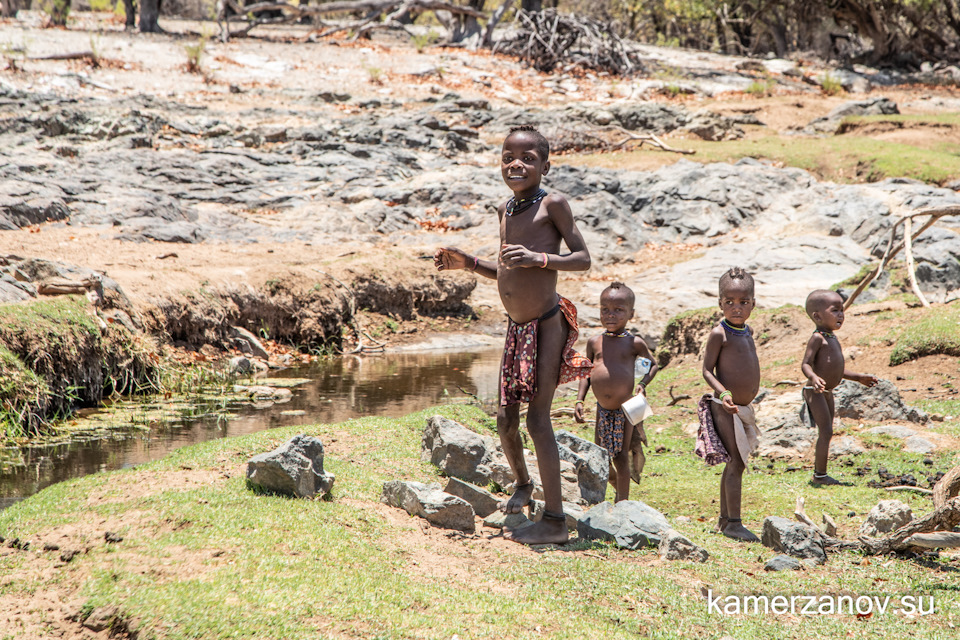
{"x":611,"y":391}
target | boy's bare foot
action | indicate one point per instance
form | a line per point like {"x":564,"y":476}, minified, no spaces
{"x":824,"y":479}
{"x":551,"y":529}
{"x":522,"y":494}
{"x":721,"y":524}
{"x":737,"y":531}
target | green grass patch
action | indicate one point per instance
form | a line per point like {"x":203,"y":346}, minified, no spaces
{"x":55,"y":358}
{"x":845,"y":159}
{"x":216,"y":560}
{"x":936,"y":331}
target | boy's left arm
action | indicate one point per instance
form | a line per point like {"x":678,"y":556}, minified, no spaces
{"x":866,"y":379}
{"x":641,"y":350}
{"x":562,"y":217}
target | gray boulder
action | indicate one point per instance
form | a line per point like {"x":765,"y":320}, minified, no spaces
{"x":457,"y":451}
{"x":674,"y":546}
{"x":430,"y":503}
{"x":592,"y":463}
{"x":782,"y":563}
{"x":483,"y":502}
{"x":630,"y":523}
{"x":294,"y":468}
{"x":886,"y":516}
{"x":880,"y":402}
{"x":793,"y":538}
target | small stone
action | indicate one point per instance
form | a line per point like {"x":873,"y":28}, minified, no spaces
{"x":782,"y":563}
{"x":110,"y":536}
{"x":67,"y":555}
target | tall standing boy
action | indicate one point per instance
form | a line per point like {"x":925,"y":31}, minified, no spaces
{"x":732,"y":369}
{"x":614,"y":354}
{"x":542,"y":328}
{"x":824,"y":367}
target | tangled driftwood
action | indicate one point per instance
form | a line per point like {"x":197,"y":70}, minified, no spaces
{"x":548,"y":39}
{"x":377,"y":14}
{"x":933,"y":531}
{"x":907,"y":245}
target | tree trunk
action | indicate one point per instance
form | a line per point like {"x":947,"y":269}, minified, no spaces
{"x":59,"y":10}
{"x":149,"y":13}
{"x":130,"y":8}
{"x":531,"y":5}
{"x":466,"y":28}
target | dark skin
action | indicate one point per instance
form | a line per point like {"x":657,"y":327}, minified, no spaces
{"x":528,"y":289}
{"x":612,"y":377}
{"x":730,"y":363}
{"x":824,"y":367}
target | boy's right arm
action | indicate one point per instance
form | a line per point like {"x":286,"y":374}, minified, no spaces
{"x":711,"y":355}
{"x":806,"y":366}
{"x":450,"y":258}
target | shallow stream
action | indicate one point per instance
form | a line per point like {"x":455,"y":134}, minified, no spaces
{"x":337,"y":389}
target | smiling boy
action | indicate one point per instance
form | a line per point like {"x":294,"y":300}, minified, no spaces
{"x":538,"y":352}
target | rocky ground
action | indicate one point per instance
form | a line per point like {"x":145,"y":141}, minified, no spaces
{"x":287,"y":167}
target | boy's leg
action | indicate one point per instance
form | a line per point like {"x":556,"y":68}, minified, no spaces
{"x":622,"y":464}
{"x":820,"y":406}
{"x":552,"y":528}
{"x":731,"y":481}
{"x":508,"y":427}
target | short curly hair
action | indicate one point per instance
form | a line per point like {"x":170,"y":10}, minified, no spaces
{"x":542,"y":146}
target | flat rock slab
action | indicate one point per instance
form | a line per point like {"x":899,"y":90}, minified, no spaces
{"x":630,"y":523}
{"x":430,"y":503}
{"x":483,"y":502}
{"x":898,"y":431}
{"x":294,"y":468}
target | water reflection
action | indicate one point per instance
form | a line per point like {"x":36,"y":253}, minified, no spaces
{"x":338,"y":389}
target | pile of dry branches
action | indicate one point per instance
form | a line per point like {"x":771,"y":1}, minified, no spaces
{"x":547,"y":40}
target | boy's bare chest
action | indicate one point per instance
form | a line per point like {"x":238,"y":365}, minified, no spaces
{"x":616,"y":354}
{"x":530,"y":229}
{"x":830,"y":354}
{"x":739,"y":348}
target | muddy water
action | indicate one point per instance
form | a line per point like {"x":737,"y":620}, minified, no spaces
{"x":338,"y":389}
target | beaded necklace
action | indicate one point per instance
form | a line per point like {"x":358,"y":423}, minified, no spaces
{"x":515,"y":206}
{"x":729,"y":328}
{"x":622,"y":334}
{"x":826,"y":334}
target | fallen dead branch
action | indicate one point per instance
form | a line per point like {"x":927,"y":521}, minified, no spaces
{"x":905,"y":487}
{"x":650,"y":138}
{"x":675,"y":399}
{"x":378,"y":14}
{"x":906,"y":244}
{"x":941,"y":520}
{"x":947,"y":487}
